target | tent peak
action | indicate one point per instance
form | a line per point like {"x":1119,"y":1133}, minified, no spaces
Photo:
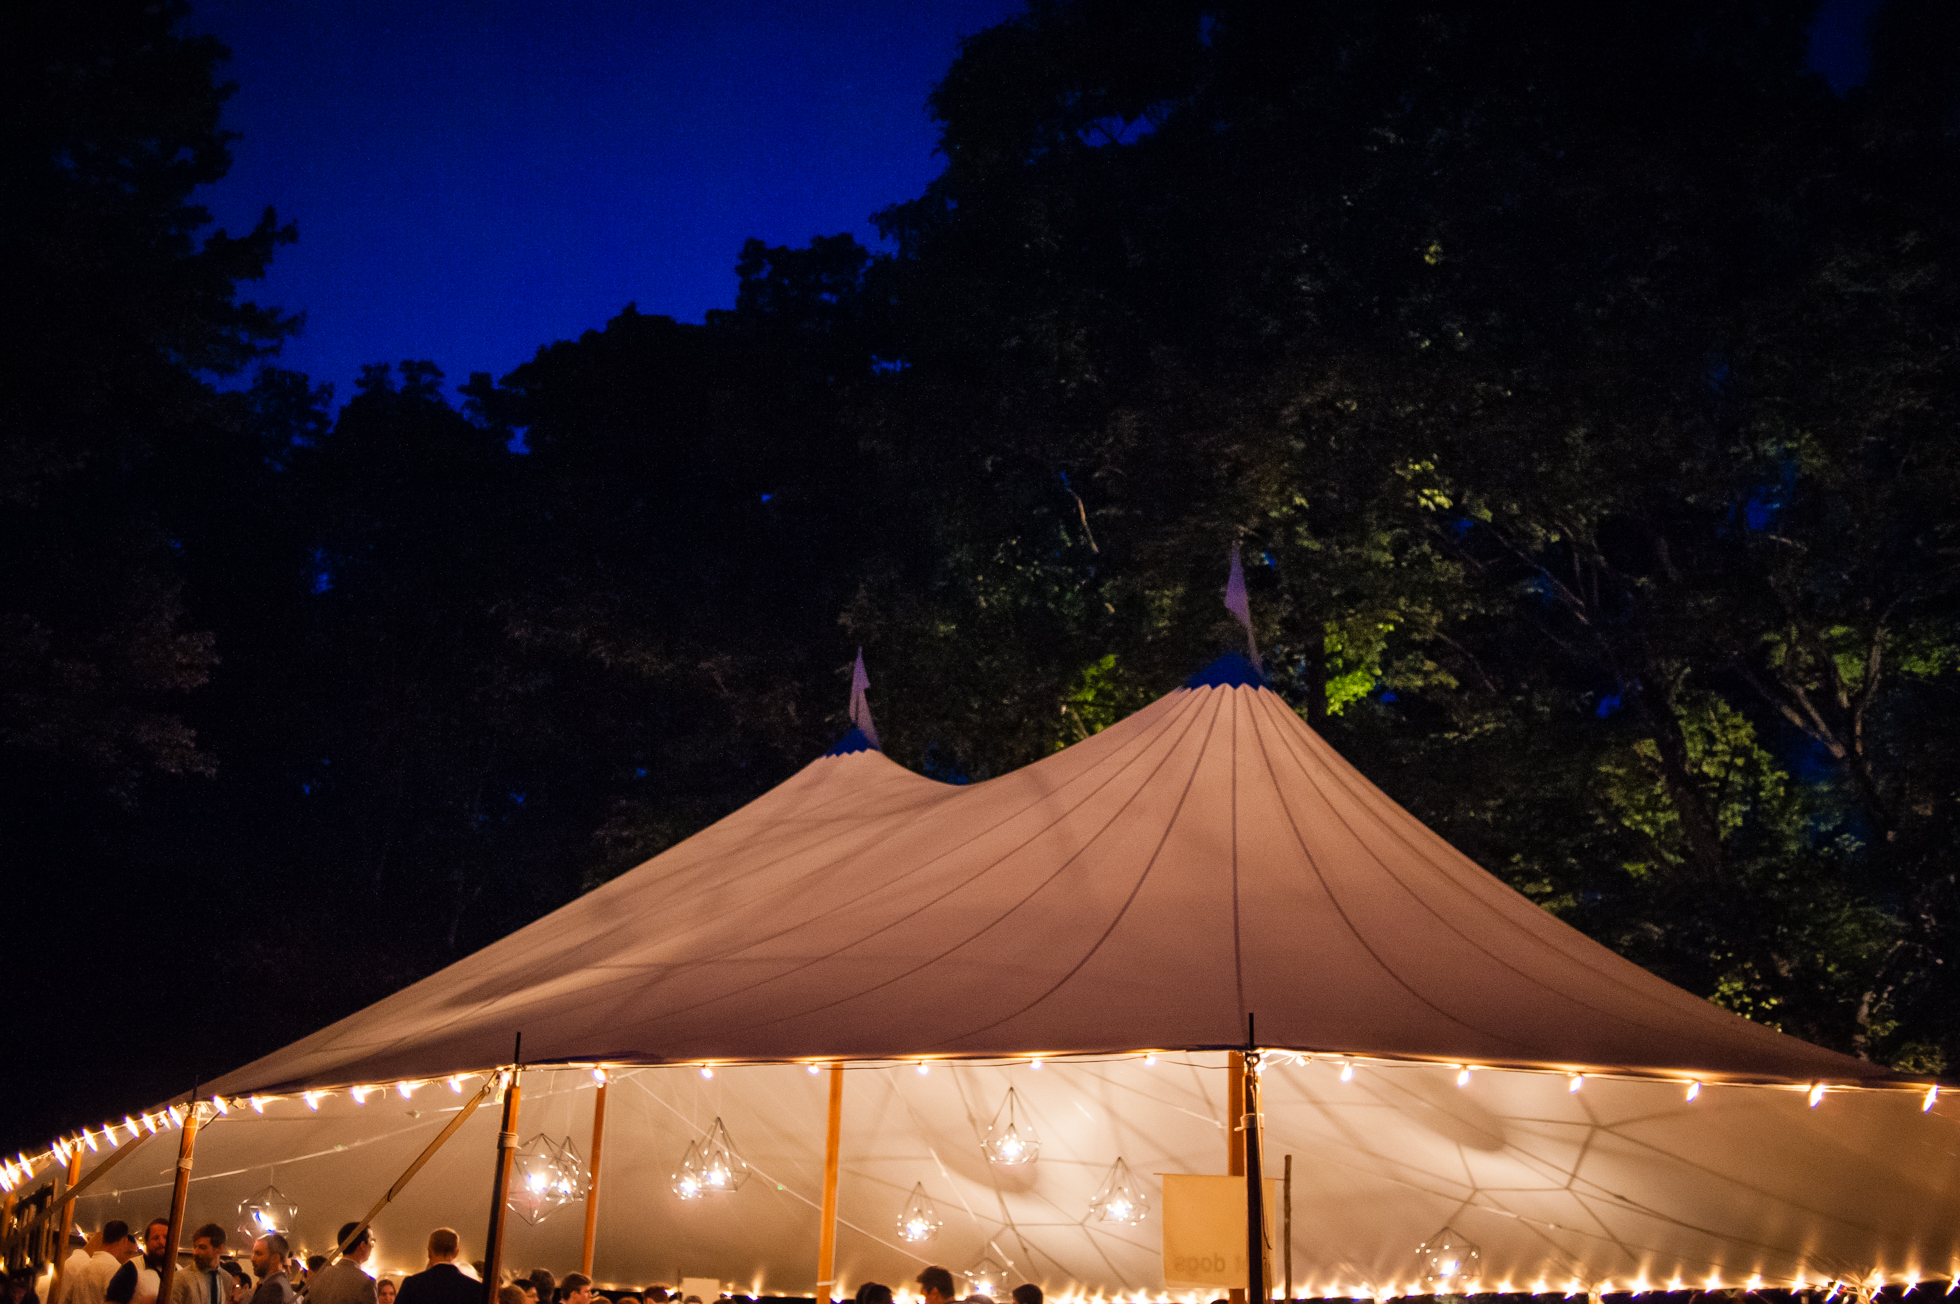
{"x":1232,"y":670}
{"x":854,"y":741}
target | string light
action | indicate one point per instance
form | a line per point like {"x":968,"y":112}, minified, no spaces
{"x":599,"y":1076}
{"x":219,"y":1101}
{"x":176,"y":1116}
{"x":149,"y":1125}
{"x":1816,"y":1094}
{"x":1035,"y":1064}
{"x":1347,"y":1071}
{"x":258,"y":1104}
{"x":1578,"y":1080}
{"x":813,"y":1069}
{"x":1932,"y":1096}
{"x":405,"y":1088}
{"x":1694,"y":1089}
{"x":707,"y":1072}
{"x":924,"y":1068}
{"x":1463,"y":1076}
{"x":1150,"y":1060}
{"x":89,"y":1141}
{"x":456,"y":1083}
{"x":360,"y":1094}
{"x":312,"y":1099}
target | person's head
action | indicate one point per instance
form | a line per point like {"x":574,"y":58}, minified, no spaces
{"x":936,"y":1284}
{"x":363,"y":1244}
{"x":20,"y":1282}
{"x":443,"y":1245}
{"x":206,"y":1245}
{"x":528,"y":1289}
{"x":156,"y":1237}
{"x":543,"y":1282}
{"x":1027,"y":1293}
{"x":874,"y":1292}
{"x":315,"y":1262}
{"x":269,"y":1254}
{"x":577,"y":1287}
{"x":116,"y":1239}
{"x":384,"y":1291}
{"x":510,"y":1295}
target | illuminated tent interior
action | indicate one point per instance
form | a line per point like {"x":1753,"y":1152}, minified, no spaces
{"x":1145,"y":890}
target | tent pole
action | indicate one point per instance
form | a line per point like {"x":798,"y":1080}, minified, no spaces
{"x":592,"y":1185}
{"x":180,"y":1195}
{"x":1288,"y":1224}
{"x":493,"y":1250}
{"x":66,"y":1223}
{"x":1234,"y":1131}
{"x":462,"y":1116}
{"x":827,"y":1235}
{"x":1255,"y":1190}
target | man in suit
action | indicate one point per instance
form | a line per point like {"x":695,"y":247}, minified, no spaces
{"x":205,"y":1282}
{"x":345,"y":1281}
{"x":442,"y":1282}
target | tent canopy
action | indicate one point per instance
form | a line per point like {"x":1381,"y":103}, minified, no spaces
{"x":1206,"y":859}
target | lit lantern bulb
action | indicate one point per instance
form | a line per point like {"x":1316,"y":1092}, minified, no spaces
{"x":1694,"y":1089}
{"x":1816,"y":1094}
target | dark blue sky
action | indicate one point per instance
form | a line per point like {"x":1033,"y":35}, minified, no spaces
{"x":473,"y":180}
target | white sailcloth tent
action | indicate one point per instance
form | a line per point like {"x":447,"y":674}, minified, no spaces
{"x":1444,"y":1053}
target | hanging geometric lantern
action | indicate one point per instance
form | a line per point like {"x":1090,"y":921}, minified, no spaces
{"x":919,"y":1220}
{"x":1011,"y":1139}
{"x":267,"y":1212}
{"x":545,"y":1175}
{"x":1120,"y":1199}
{"x":1447,"y":1262}
{"x":711,"y":1166}
{"x":986,"y":1278}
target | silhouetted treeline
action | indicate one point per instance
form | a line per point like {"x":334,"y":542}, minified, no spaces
{"x":1577,"y":384}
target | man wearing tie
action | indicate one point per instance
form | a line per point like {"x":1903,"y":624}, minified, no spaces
{"x":205,"y":1283}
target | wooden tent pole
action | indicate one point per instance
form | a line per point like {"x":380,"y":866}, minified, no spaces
{"x":827,"y":1235}
{"x":592,"y":1185}
{"x":1255,"y":1189}
{"x":180,"y":1195}
{"x":493,"y":1250}
{"x":66,"y":1223}
{"x":1235,"y":1132}
{"x":1287,"y":1221}
{"x":462,"y":1116}
{"x":115,"y":1157}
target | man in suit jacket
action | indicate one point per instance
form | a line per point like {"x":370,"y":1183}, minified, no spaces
{"x":204,"y":1282}
{"x":345,"y":1281}
{"x":442,"y":1282}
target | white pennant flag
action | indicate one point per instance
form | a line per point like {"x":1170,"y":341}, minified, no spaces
{"x":1238,"y":605}
{"x":860,"y":708}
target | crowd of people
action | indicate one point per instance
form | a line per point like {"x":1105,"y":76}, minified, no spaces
{"x":113,"y":1266}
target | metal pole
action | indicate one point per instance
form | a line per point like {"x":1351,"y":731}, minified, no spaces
{"x":827,"y":1235}
{"x":179,"y":1196}
{"x":506,"y":1155}
{"x":592,"y":1187}
{"x":1288,"y":1207}
{"x":1235,"y":1132}
{"x":1255,"y":1191}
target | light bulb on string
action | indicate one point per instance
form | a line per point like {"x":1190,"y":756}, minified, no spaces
{"x":312,"y":1099}
{"x":1347,"y":1071}
{"x":1463,"y":1076}
{"x":599,"y":1076}
{"x":814,"y":1069}
{"x":707,"y":1072}
{"x":360,"y":1095}
{"x":1694,"y":1090}
{"x":89,"y":1141}
{"x":1035,"y":1064}
{"x":1932,"y":1098}
{"x":1816,"y":1094}
{"x":406,"y":1089}
{"x":1150,"y":1060}
{"x":258,"y":1104}
{"x":1578,"y":1080}
{"x":924,"y":1068}
{"x":456,"y":1084}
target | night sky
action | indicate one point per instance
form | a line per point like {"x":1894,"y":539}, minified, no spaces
{"x":474,"y":180}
